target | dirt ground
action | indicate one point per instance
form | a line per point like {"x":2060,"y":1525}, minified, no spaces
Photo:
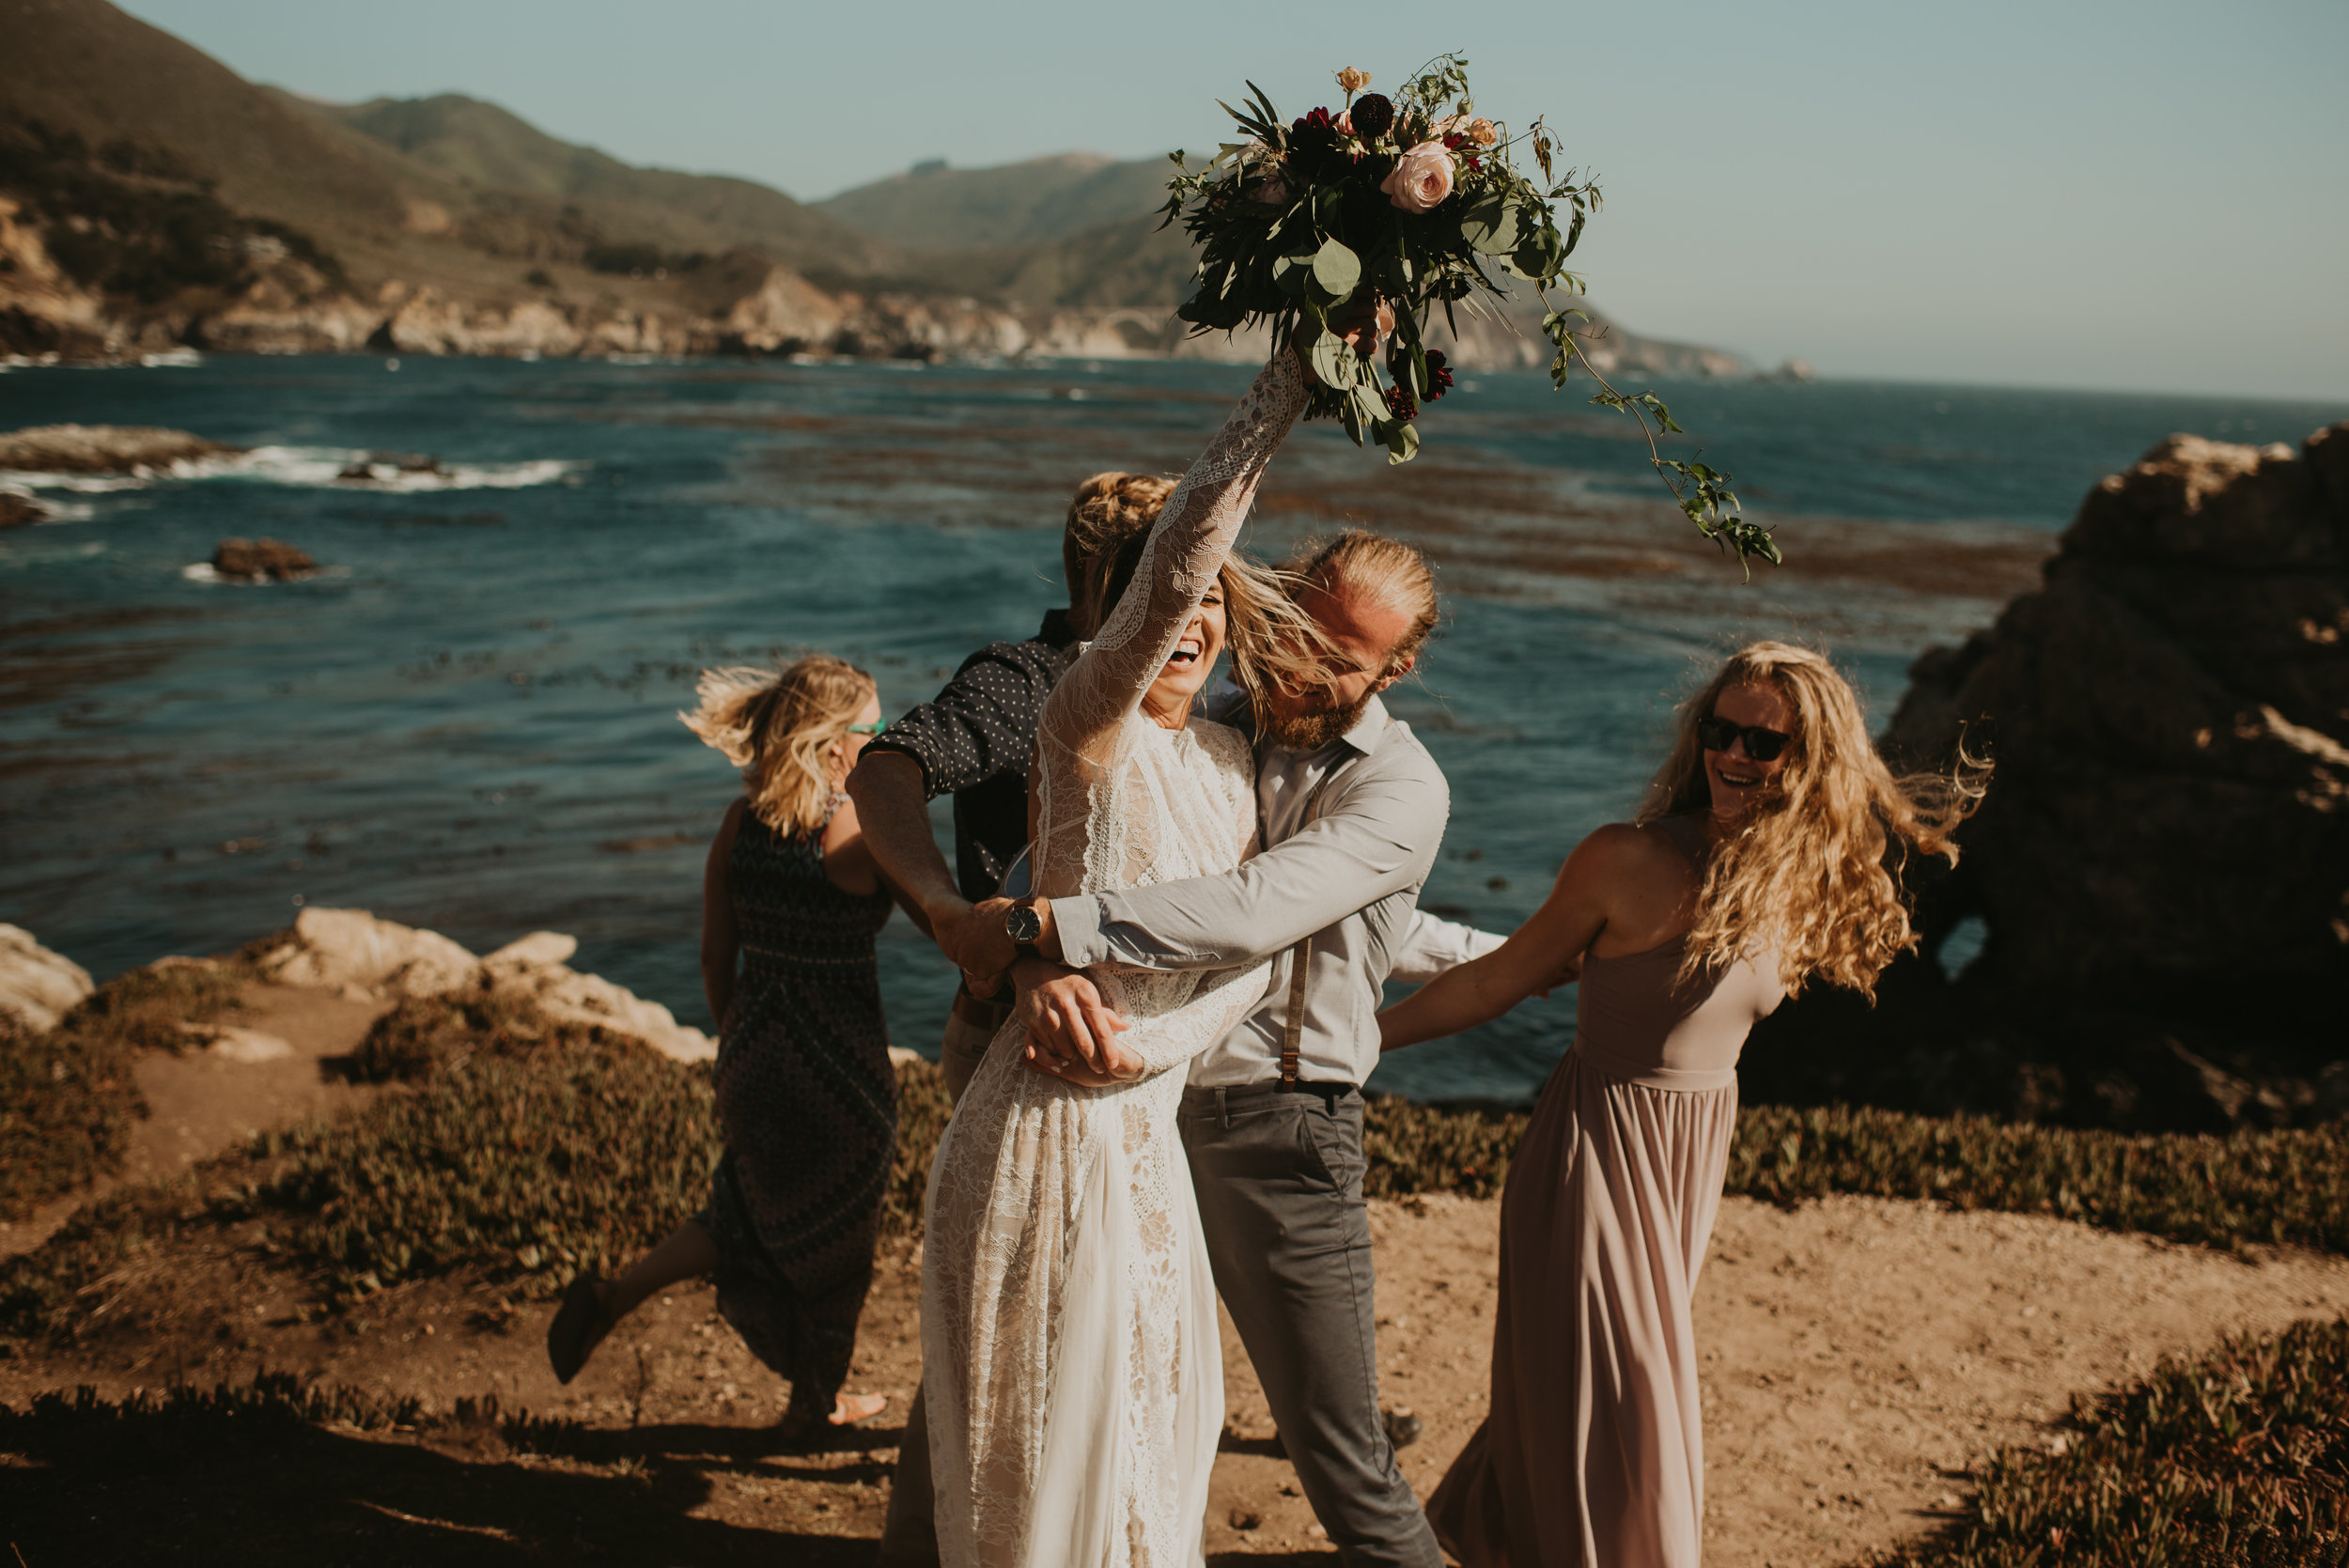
{"x":1859,"y":1355}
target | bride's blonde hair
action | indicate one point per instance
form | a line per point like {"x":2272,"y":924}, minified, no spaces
{"x":1807,"y":872}
{"x":781,"y":728}
{"x":1272,"y":641}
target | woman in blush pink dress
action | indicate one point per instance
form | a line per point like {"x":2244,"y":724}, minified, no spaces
{"x":1757,"y":866}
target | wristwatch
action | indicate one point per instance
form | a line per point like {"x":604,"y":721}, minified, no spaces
{"x":1023,"y":926}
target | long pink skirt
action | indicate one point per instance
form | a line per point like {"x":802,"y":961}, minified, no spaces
{"x":1593,"y":1453}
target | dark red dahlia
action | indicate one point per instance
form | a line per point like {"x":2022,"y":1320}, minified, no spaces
{"x":1438,"y":375}
{"x":1373,"y":116}
{"x":1401,"y":404}
{"x":1314,"y":144}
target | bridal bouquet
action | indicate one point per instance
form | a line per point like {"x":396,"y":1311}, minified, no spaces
{"x":1416,"y":198}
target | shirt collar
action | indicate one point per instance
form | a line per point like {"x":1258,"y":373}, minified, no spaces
{"x":1364,"y":737}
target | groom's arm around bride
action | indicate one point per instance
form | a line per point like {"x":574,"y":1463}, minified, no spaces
{"x":1353,"y":810}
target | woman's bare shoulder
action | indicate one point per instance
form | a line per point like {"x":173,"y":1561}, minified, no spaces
{"x":1630,"y":846}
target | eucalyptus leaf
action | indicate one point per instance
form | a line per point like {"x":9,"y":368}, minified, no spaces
{"x":1491,"y":226}
{"x":1334,"y":361}
{"x":1337,"y":268}
{"x":1402,"y":438}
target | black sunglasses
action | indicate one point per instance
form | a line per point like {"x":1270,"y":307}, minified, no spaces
{"x":1718,"y":735}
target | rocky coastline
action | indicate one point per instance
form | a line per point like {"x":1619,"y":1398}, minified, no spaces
{"x":750,"y":307}
{"x":2158,"y":872}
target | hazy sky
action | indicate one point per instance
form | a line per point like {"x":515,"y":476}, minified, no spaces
{"x":2126,"y":194}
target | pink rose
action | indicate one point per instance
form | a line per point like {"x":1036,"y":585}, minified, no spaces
{"x":1273,"y":191}
{"x":1422,"y":177}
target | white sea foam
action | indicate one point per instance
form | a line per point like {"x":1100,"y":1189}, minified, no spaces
{"x":203,"y":571}
{"x":321,"y":467}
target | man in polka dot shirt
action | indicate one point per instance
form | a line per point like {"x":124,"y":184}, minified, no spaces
{"x":974,"y":740}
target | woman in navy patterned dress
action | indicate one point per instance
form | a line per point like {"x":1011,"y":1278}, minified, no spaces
{"x":805,"y":1093}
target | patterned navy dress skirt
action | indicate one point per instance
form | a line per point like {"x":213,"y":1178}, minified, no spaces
{"x":808,"y":1104}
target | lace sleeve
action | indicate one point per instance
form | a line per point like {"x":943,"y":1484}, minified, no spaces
{"x":1187,"y":547}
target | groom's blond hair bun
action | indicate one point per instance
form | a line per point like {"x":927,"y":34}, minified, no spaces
{"x":1382,"y":570}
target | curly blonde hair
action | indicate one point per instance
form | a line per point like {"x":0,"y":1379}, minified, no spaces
{"x":1807,"y":872}
{"x":781,"y":728}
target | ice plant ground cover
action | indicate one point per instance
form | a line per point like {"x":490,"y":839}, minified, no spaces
{"x":68,"y":1097}
{"x":2239,"y":1457}
{"x":526,"y":1151}
{"x":1415,"y":201}
{"x":515,"y":1151}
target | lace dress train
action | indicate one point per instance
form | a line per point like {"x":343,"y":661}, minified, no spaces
{"x":1071,"y":1361}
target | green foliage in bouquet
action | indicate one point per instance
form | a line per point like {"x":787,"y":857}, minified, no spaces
{"x":1417,"y":200}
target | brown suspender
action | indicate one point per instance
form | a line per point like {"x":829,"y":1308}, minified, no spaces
{"x":1292,"y":1026}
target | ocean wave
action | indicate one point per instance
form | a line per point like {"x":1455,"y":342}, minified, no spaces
{"x":320,"y":467}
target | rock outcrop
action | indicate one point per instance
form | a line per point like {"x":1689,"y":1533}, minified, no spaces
{"x":17,"y":510}
{"x":351,"y":948}
{"x":37,"y":986}
{"x":2161,"y":868}
{"x":143,"y":449}
{"x":535,"y":968}
{"x":353,"y":951}
{"x":262,"y":561}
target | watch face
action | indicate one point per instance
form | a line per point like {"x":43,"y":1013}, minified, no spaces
{"x":1021,"y":924}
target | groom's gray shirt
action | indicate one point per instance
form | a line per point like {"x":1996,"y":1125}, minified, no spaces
{"x":1350,"y":880}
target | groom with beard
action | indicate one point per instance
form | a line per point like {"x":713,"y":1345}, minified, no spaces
{"x":1352,"y":811}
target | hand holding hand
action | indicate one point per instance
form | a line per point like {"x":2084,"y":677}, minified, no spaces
{"x":1072,"y":1028}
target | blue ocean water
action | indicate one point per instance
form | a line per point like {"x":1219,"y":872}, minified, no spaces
{"x":468,"y":723}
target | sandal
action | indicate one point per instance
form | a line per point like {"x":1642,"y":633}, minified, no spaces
{"x":580,"y":1325}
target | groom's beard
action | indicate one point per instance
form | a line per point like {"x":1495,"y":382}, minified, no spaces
{"x":1311,"y":732}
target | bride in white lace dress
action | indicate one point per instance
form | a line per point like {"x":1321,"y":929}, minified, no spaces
{"x":1072,"y":1366}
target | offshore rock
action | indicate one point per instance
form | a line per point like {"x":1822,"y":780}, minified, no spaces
{"x":17,"y":510}
{"x":2161,"y":868}
{"x":262,"y":561}
{"x":142,"y":449}
{"x":38,"y":987}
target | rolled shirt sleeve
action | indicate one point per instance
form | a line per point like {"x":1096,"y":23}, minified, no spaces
{"x":1434,"y":944}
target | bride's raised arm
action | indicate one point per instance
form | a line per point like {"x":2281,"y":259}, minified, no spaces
{"x":1187,"y":547}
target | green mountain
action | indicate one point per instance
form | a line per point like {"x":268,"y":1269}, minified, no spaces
{"x":159,"y":199}
{"x":100,"y":113}
{"x":935,"y":207}
{"x":484,"y":148}
{"x":84,"y":69}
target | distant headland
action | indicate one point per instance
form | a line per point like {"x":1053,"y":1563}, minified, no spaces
{"x":151,"y":200}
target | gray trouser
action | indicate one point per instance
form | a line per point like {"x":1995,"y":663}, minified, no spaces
{"x":1279,"y":1173}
